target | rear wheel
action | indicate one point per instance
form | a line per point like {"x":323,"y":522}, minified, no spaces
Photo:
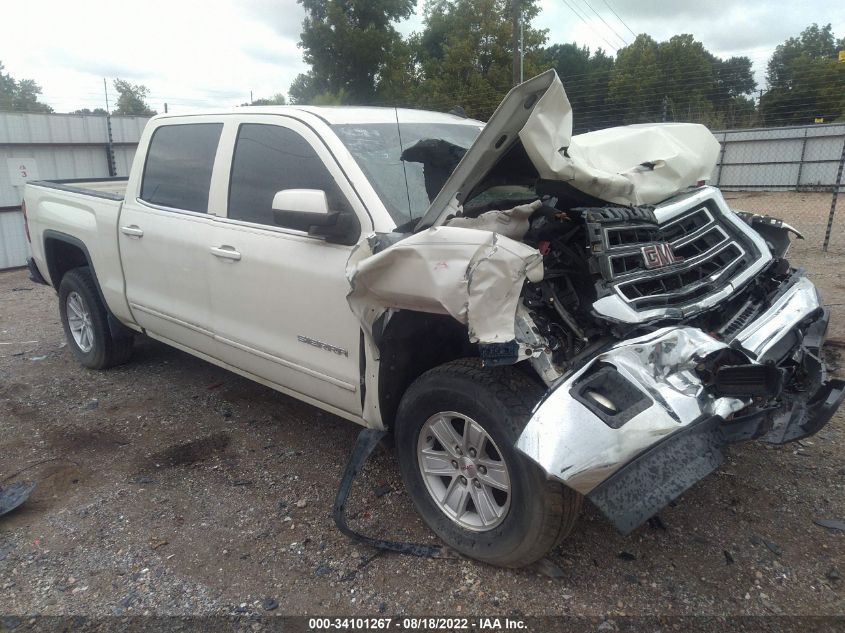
{"x":85,"y":322}
{"x":455,"y":434}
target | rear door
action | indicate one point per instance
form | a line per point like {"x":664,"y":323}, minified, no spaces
{"x":165,"y":234}
{"x":279,"y":300}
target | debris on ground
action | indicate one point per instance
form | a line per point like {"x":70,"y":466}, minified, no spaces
{"x":14,"y":495}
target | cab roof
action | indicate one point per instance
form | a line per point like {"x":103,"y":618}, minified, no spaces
{"x":340,"y":115}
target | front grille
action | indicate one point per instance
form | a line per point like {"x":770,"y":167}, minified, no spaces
{"x":742,"y":317}
{"x":711,"y":248}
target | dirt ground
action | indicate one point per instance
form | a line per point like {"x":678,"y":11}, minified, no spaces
{"x":169,"y":486}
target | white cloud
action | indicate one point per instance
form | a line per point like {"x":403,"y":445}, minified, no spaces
{"x":189,"y":53}
{"x":211,"y":53}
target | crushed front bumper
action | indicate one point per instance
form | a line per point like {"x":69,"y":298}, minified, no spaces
{"x":637,"y":425}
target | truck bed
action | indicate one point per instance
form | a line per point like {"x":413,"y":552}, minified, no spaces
{"x":110,"y":188}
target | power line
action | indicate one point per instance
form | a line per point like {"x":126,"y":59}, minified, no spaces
{"x":581,"y":17}
{"x":605,"y":23}
{"x":619,"y":18}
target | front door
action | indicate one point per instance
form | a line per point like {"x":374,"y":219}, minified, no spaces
{"x":279,"y":299}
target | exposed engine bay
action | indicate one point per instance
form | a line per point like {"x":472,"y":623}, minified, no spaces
{"x":612,"y":273}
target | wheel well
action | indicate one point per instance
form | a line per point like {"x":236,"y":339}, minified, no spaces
{"x":410,"y":345}
{"x":61,"y":257}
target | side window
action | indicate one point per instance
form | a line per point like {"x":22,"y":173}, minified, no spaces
{"x":270,"y":158}
{"x":179,"y":163}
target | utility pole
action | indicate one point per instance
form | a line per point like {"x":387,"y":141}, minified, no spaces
{"x":517,"y":47}
{"x":109,"y":146}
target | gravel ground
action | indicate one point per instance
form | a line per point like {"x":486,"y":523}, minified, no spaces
{"x":171,"y":487}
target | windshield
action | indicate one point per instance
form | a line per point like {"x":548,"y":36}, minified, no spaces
{"x":431,"y":153}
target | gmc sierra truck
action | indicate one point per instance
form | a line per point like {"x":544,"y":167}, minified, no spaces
{"x":537,"y":316}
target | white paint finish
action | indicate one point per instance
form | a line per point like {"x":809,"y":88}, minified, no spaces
{"x":335,"y":115}
{"x":634,"y":164}
{"x":275,"y":293}
{"x":91,"y":220}
{"x":473,"y":275}
{"x":271,"y":302}
{"x":301,"y":200}
{"x":263,"y":302}
{"x":167,"y":272}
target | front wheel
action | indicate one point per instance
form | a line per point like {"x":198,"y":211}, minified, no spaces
{"x":455,"y":434}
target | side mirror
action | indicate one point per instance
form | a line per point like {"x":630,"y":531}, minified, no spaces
{"x":308,"y":210}
{"x":302,"y":208}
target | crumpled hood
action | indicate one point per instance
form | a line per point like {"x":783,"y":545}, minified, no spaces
{"x":630,"y":165}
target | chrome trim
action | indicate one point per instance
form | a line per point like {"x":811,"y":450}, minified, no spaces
{"x":791,"y":308}
{"x":617,"y":307}
{"x":161,"y":207}
{"x":172,"y":319}
{"x":573,"y":445}
{"x":704,"y":280}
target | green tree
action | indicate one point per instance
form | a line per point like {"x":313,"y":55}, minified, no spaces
{"x":276,"y":99}
{"x":131,"y":99}
{"x":679,"y":80}
{"x":89,"y":112}
{"x":635,"y":87}
{"x":464,"y":54}
{"x":585,"y":76}
{"x":20,"y":95}
{"x":805,"y":79}
{"x":734,"y":82}
{"x":348,"y":44}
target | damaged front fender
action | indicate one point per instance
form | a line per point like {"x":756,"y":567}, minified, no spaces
{"x":475,"y":276}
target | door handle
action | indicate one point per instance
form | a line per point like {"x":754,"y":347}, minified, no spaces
{"x":133,"y":230}
{"x":225,"y":252}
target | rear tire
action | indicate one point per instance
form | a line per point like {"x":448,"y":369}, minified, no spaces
{"x":526,"y":515}
{"x":86,"y":325}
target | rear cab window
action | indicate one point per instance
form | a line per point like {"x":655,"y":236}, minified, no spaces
{"x":179,"y":164}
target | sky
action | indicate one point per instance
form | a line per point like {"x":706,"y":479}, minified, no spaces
{"x":195,"y":54}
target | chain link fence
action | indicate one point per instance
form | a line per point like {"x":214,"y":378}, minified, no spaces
{"x":793,"y":173}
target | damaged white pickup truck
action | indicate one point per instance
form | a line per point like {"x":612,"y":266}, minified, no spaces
{"x":537,"y":316}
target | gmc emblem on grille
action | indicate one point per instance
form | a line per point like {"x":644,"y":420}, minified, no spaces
{"x":659,"y":255}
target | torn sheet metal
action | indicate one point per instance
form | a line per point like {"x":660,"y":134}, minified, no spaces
{"x":635,"y":164}
{"x":475,"y":276}
{"x":512,"y":223}
{"x":574,"y":445}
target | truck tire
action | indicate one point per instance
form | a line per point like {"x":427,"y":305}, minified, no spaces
{"x":86,"y":325}
{"x":474,"y":489}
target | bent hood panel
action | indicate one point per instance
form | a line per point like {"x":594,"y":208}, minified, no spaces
{"x":636,"y":164}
